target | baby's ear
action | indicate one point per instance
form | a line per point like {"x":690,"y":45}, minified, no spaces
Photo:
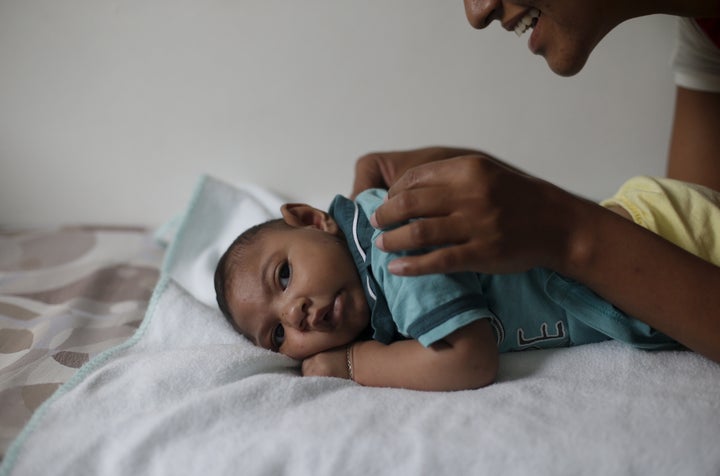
{"x":300,"y":215}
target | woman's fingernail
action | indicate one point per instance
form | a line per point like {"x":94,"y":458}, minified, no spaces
{"x":396,"y":267}
{"x":373,"y":221}
{"x":379,"y":242}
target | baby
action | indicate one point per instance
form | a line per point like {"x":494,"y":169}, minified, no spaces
{"x":313,"y":286}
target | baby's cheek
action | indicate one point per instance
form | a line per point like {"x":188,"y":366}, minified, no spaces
{"x":296,"y":350}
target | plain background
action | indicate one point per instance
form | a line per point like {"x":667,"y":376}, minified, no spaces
{"x":110,"y":110}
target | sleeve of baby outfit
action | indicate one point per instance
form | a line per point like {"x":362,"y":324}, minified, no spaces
{"x":430,"y":307}
{"x":696,"y":59}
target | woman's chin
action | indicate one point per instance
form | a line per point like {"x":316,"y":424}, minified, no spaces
{"x":567,"y":65}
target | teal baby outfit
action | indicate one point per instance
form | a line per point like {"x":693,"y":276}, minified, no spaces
{"x":530,"y":310}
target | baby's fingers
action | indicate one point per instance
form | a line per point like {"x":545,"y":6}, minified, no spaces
{"x":309,"y":368}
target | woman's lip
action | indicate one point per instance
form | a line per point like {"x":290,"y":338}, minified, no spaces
{"x":513,"y":22}
{"x":534,"y":40}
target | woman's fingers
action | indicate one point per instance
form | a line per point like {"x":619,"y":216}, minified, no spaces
{"x":423,"y":202}
{"x":424,"y":233}
{"x":439,"y":173}
{"x":382,"y":169}
{"x":421,"y":192}
{"x":443,"y":260}
{"x":473,"y":213}
{"x":369,"y":173}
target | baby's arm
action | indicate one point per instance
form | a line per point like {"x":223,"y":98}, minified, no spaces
{"x":465,"y":359}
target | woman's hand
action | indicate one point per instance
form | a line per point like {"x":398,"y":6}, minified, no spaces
{"x":382,"y":169}
{"x":331,"y":363}
{"x":483,"y":214}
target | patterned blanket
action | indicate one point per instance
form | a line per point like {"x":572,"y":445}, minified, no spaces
{"x":66,"y":294}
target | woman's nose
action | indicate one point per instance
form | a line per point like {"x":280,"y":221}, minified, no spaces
{"x":480,"y":13}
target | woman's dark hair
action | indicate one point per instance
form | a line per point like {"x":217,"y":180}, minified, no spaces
{"x":231,"y":259}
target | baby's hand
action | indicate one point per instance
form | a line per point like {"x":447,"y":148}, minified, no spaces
{"x":331,"y":363}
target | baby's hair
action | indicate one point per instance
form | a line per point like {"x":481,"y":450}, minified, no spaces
{"x":232,"y":258}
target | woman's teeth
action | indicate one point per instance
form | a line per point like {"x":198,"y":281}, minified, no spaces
{"x":527,"y":21}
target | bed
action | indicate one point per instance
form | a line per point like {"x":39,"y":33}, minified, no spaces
{"x":100,"y":377}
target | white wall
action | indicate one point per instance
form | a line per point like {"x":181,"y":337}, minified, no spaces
{"x":109,"y":110}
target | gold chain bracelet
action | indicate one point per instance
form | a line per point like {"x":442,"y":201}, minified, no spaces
{"x":349,"y":361}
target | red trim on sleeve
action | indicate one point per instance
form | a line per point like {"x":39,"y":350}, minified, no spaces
{"x":711,"y":27}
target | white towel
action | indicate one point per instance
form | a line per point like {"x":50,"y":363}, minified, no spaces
{"x":186,"y":395}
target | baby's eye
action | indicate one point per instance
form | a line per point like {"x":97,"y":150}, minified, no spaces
{"x":284,"y":275}
{"x":278,"y":336}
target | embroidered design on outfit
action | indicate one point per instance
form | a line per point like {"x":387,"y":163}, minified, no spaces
{"x":544,"y":334}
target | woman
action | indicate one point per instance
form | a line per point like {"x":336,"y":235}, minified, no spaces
{"x":495,"y":219}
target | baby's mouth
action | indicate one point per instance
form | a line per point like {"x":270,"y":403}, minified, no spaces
{"x":328,"y":317}
{"x":338,"y":308}
{"x":527,"y":22}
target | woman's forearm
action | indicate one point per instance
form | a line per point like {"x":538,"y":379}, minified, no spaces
{"x":645,"y":275}
{"x":694,"y":145}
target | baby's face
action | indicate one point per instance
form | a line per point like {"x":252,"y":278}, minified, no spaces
{"x":298,"y":292}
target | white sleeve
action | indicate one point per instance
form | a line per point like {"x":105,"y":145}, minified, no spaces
{"x":696,"y":59}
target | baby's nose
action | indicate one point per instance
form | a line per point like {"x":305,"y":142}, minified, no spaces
{"x":319,"y":319}
{"x":295,"y":314}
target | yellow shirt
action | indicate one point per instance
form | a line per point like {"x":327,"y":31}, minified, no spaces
{"x":683,"y":213}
